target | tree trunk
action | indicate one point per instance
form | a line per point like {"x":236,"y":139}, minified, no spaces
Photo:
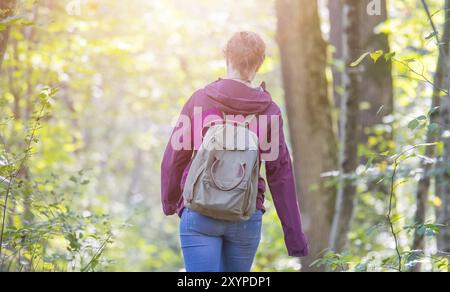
{"x":423,"y":188}
{"x":375,"y":90}
{"x":376,"y":83}
{"x":7,"y":8}
{"x":337,"y":39}
{"x":303,"y":58}
{"x":443,"y":180}
{"x":349,"y":126}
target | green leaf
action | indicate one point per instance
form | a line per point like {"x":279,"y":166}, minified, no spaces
{"x":43,"y":96}
{"x":6,"y":169}
{"x":5,"y":23}
{"x":85,"y":182}
{"x":422,"y":118}
{"x":53,"y":91}
{"x":389,"y":56}
{"x":421,"y":230}
{"x":396,"y":217}
{"x":360,"y":59}
{"x":413,"y":124}
{"x":376,"y":55}
{"x":74,"y":245}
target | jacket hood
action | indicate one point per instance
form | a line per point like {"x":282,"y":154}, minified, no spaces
{"x":234,"y":97}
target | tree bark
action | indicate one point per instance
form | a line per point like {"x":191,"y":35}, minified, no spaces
{"x":443,"y":179}
{"x":349,"y":126}
{"x":423,"y":188}
{"x":7,"y":8}
{"x":337,"y":39}
{"x":376,"y":83}
{"x":375,"y":90}
{"x":303,"y":58}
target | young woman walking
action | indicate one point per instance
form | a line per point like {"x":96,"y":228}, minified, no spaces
{"x":215,"y":245}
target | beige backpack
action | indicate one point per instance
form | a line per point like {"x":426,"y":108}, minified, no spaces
{"x":222,"y":182}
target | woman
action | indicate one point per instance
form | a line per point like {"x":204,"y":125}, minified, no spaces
{"x":211,"y":245}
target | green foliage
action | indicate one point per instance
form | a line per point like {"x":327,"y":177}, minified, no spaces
{"x":39,"y":230}
{"x":334,"y":261}
{"x":375,"y":56}
{"x":79,"y":166}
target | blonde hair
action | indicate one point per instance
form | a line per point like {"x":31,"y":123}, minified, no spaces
{"x":246,"y":52}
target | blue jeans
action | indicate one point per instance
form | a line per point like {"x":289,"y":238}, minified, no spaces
{"x":211,"y":245}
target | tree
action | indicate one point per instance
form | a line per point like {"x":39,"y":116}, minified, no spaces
{"x":375,"y":92}
{"x":376,"y":86}
{"x":336,"y":10}
{"x":303,"y":58}
{"x":443,"y":180}
{"x":349,"y":128}
{"x":438,"y":117}
{"x":441,"y":83}
{"x":7,"y":8}
{"x":376,"y":83}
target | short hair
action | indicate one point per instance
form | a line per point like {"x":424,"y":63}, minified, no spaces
{"x":246,"y":52}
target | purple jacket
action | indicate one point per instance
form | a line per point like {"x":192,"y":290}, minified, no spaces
{"x":235,"y":98}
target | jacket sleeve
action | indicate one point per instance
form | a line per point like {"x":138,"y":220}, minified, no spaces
{"x":280,"y":178}
{"x":175,"y":161}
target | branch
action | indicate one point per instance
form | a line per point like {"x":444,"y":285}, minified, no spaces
{"x":424,"y":78}
{"x":392,"y":195}
{"x":391,"y":223}
{"x":433,"y":26}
